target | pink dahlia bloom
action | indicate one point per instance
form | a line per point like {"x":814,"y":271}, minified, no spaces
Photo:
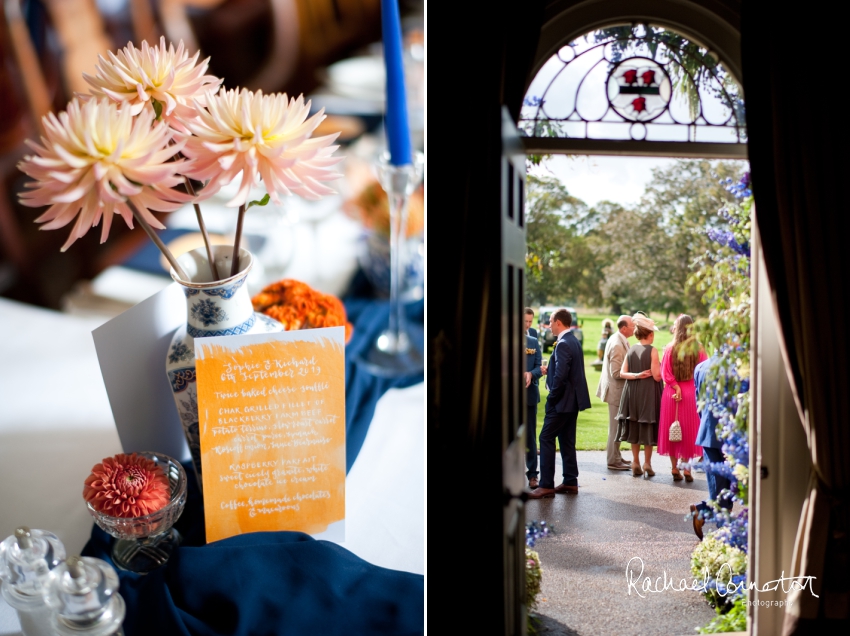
{"x":127,"y":486}
{"x":93,"y":158}
{"x":136,"y":77}
{"x":260,"y":136}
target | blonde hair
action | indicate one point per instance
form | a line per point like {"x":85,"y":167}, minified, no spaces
{"x":684,"y":349}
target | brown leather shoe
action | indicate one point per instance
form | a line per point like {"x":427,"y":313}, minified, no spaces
{"x":563,"y":489}
{"x":541,"y":493}
{"x":533,"y":483}
{"x":619,"y":467}
{"x":698,"y":521}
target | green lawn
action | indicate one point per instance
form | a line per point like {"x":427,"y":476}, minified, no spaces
{"x":592,"y":427}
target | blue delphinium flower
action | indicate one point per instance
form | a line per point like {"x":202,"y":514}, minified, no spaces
{"x":534,"y":531}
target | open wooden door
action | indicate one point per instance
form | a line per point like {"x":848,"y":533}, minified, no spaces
{"x":512,"y":358}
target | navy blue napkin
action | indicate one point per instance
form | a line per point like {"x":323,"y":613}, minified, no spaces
{"x":147,"y":257}
{"x":263,"y":583}
{"x":362,"y":390}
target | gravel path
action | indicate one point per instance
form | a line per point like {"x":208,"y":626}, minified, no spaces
{"x":614,"y":518}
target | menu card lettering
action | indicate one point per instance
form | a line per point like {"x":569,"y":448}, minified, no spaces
{"x":272,"y":423}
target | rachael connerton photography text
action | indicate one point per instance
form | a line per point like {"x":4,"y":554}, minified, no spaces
{"x":643,"y":585}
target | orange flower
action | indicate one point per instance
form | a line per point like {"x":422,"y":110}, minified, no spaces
{"x":127,"y":486}
{"x":299,"y":306}
{"x":372,"y":208}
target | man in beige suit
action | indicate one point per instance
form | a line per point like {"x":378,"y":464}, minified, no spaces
{"x":611,"y":386}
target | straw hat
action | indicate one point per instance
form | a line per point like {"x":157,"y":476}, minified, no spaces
{"x":644,"y":322}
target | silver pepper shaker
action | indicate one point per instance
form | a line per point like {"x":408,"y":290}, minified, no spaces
{"x":83,"y":592}
{"x":26,"y":560}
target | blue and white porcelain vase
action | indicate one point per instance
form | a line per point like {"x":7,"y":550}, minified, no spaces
{"x":374,"y":258}
{"x":213,"y":308}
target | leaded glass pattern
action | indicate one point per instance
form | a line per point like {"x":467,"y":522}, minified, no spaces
{"x":636,"y":82}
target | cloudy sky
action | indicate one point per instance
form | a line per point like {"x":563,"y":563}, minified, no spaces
{"x":604,"y":178}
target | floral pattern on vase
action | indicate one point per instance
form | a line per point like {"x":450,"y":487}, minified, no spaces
{"x":207,"y":312}
{"x":213,"y":308}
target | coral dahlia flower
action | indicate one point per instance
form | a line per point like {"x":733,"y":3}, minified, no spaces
{"x":127,"y":486}
{"x":93,"y":159}
{"x":262,"y":136}
{"x":135,"y":77}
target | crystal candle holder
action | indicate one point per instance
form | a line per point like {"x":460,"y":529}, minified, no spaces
{"x":26,"y":560}
{"x":146,"y":543}
{"x":83,"y":594}
{"x":394,"y":354}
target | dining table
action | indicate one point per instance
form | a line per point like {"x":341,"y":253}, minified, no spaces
{"x":56,"y":420}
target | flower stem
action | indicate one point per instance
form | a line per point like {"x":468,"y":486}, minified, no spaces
{"x":203,"y":227}
{"x":157,"y":241}
{"x":235,"y":269}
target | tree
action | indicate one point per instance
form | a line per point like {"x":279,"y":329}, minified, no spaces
{"x":560,"y":263}
{"x":633,"y":249}
{"x":686,"y":198}
{"x":626,"y":258}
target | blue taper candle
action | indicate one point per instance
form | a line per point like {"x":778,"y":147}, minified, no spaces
{"x":398,"y":130}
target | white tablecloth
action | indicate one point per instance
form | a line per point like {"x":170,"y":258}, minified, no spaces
{"x":56,"y":423}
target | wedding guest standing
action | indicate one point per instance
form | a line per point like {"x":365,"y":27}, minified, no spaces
{"x":533,"y":372}
{"x":678,"y":402}
{"x":568,"y":395}
{"x":611,"y":384}
{"x":720,"y":488}
{"x":529,"y":318}
{"x":607,"y":330}
{"x":640,"y":403}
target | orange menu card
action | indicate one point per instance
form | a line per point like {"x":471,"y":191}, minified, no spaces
{"x":272,"y":422}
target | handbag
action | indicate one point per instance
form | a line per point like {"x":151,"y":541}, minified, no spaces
{"x":675,"y":434}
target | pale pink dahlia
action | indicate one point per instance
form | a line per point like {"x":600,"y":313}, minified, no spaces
{"x":134,"y":77}
{"x":92,"y":159}
{"x":127,"y":486}
{"x":261,"y":136}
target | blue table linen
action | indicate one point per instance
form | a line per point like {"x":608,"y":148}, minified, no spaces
{"x":282,"y":582}
{"x":263,"y":583}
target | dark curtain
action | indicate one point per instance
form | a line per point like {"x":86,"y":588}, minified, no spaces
{"x":489,"y":56}
{"x":792,"y":77}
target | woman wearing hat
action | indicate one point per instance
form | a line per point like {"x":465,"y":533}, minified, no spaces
{"x":678,"y":402}
{"x":640,"y":403}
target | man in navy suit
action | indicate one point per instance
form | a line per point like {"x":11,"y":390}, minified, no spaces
{"x":529,"y":318}
{"x":711,"y":451}
{"x":568,"y":395}
{"x":533,"y":363}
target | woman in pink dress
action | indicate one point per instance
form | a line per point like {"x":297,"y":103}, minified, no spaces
{"x":677,"y":371}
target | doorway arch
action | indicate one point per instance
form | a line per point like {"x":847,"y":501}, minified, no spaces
{"x":775,"y":503}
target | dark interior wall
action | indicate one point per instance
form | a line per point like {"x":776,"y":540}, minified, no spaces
{"x":465,"y":436}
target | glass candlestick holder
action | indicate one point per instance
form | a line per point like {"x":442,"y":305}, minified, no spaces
{"x":394,"y":352}
{"x":83,"y":594}
{"x":26,"y":560}
{"x":146,"y":543}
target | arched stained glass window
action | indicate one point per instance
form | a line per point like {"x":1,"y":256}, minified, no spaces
{"x":636,"y":89}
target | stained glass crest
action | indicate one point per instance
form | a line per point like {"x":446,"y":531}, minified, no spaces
{"x":636,"y":82}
